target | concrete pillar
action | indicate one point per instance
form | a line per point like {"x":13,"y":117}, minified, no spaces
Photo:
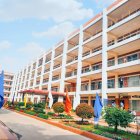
{"x":42,"y":72}
{"x":116,"y":60}
{"x":79,"y":67}
{"x":63,"y":70}
{"x":104,"y":58}
{"x":116,"y":80}
{"x":35,"y":76}
{"x":50,"y":79}
{"x":89,"y":99}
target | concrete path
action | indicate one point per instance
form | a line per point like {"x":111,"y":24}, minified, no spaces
{"x":32,"y":129}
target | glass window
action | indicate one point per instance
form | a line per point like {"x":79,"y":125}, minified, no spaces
{"x":120,"y":60}
{"x":111,"y":83}
{"x":134,"y":81}
{"x":132,"y":57}
{"x":93,"y":86}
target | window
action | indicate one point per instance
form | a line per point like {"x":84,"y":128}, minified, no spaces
{"x":132,"y":57}
{"x":134,"y":81}
{"x":111,"y":83}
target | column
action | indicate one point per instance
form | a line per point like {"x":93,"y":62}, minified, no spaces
{"x":79,"y":67}
{"x":104,"y":58}
{"x":116,"y":80}
{"x":50,"y":79}
{"x":42,"y":72}
{"x":35,"y":76}
{"x":89,"y":99}
{"x":63,"y":70}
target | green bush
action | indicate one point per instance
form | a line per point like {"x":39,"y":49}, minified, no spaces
{"x":40,"y":105}
{"x":50,"y":113}
{"x":39,"y":110}
{"x":84,"y":111}
{"x":117,"y":117}
{"x":29,"y":105}
{"x":44,"y":116}
{"x":58,"y":107}
{"x":30,"y":112}
{"x":20,"y":104}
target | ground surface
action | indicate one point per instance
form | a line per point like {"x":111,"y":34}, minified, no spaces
{"x":32,"y":129}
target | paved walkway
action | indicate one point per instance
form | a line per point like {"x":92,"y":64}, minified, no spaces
{"x":32,"y":129}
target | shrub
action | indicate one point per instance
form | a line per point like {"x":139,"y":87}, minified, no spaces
{"x":50,"y":113}
{"x":30,"y":112}
{"x":40,"y":105}
{"x":117,"y":117}
{"x":44,"y":116}
{"x":58,"y":107}
{"x":39,"y":110}
{"x":20,"y":104}
{"x":29,"y":105}
{"x":84,"y":111}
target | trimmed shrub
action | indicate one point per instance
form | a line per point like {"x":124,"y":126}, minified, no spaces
{"x":20,"y":104}
{"x":39,"y":110}
{"x":117,"y":117}
{"x":44,"y":116}
{"x":50,"y":113}
{"x":58,"y":107}
{"x":84,"y":111}
{"x":29,"y":105}
{"x":40,"y":105}
{"x":30,"y":112}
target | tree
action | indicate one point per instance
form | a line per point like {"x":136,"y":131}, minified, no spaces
{"x":84,"y":111}
{"x":58,"y":107}
{"x":117,"y":117}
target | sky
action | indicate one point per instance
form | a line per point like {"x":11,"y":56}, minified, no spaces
{"x":28,"y":28}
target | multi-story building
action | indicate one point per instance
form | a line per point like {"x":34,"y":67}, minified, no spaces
{"x":102,"y":56}
{"x":8,"y":79}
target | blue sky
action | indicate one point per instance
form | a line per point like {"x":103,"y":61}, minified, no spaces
{"x":30,"y":27}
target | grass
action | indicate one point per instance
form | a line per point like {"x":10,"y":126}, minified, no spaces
{"x":105,"y":131}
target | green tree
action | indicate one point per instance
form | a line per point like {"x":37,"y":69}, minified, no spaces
{"x":58,"y":107}
{"x":84,"y":111}
{"x":117,"y":117}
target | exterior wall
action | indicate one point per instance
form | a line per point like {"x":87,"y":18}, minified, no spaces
{"x":8,"y":80}
{"x":89,"y":59}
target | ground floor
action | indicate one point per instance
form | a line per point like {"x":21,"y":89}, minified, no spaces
{"x":128,"y":101}
{"x":33,"y":129}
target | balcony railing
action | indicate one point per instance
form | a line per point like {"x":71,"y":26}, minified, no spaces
{"x":129,"y":58}
{"x":71,"y":60}
{"x":47,"y":60}
{"x":97,"y":32}
{"x":124,"y":37}
{"x":46,"y":70}
{"x":70,"y":74}
{"x":92,"y":51}
{"x":45,"y":80}
{"x":92,"y":68}
{"x":55,"y":89}
{"x":124,"y":17}
{"x":56,"y":66}
{"x":55,"y":78}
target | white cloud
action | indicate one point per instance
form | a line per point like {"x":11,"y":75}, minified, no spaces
{"x":59,"y":30}
{"x":103,"y":3}
{"x":5,"y":45}
{"x":44,"y":9}
{"x":31,"y":50}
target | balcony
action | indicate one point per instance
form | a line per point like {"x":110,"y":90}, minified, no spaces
{"x":55,"y":78}
{"x":55,"y":89}
{"x":39,"y":73}
{"x":124,"y":37}
{"x":45,"y":80}
{"x":47,"y":60}
{"x":124,"y":17}
{"x":37,"y":82}
{"x":92,"y":68}
{"x":46,"y":70}
{"x":56,"y":66}
{"x":126,"y":61}
{"x":70,"y":74}
{"x":72,"y":60}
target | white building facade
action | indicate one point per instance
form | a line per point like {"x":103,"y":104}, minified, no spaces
{"x":102,"y":56}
